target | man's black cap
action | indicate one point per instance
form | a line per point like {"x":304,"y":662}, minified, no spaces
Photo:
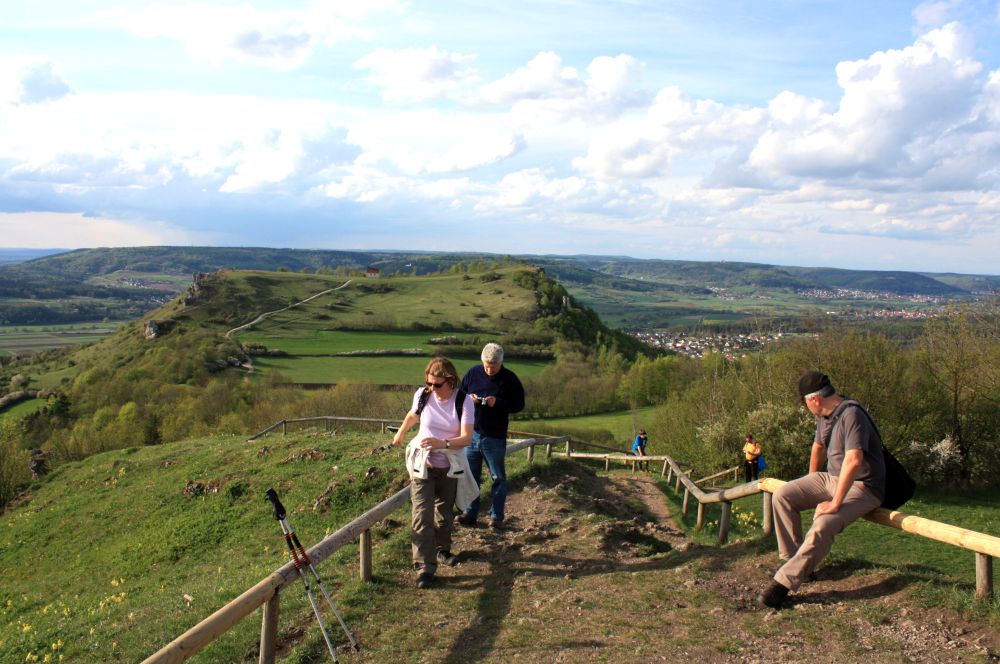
{"x":814,"y":381}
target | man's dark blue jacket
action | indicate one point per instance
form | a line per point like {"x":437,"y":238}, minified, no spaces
{"x":509,"y":392}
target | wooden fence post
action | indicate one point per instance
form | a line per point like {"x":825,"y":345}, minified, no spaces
{"x":366,"y":555}
{"x":569,"y":448}
{"x":684,"y":507}
{"x":767,"y":518}
{"x":665,"y":471}
{"x":724,"y":521}
{"x":701,"y":516}
{"x":984,"y":576}
{"x":677,"y":485}
{"x":607,"y":463}
{"x":284,"y":427}
{"x":269,"y":629}
{"x":531,"y":453}
{"x":548,"y":450}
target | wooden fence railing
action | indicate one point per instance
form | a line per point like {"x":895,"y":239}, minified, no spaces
{"x":326,"y":420}
{"x":986,"y":547}
{"x":266,"y":593}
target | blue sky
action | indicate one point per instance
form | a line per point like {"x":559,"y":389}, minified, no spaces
{"x":848,"y":134}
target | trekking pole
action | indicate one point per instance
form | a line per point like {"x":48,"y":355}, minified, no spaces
{"x":301,"y":559}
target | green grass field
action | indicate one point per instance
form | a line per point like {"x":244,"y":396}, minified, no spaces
{"x":34,"y":338}
{"x":620,"y":424}
{"x":22,"y":408}
{"x":391,"y":370}
{"x":439,"y":302}
{"x":328,"y":342}
{"x":314,"y":332}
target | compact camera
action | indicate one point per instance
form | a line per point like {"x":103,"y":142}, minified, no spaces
{"x":481,"y":401}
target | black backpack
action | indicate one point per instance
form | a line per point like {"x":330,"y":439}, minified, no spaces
{"x":899,"y":486}
{"x":426,"y":394}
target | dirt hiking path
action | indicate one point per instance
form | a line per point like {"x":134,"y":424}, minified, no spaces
{"x":590,"y":568}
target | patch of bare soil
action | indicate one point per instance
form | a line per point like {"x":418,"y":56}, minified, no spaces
{"x":590,"y":568}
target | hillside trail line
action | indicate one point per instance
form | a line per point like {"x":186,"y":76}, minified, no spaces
{"x":267,"y":314}
{"x":590,"y":567}
{"x":248,"y":365}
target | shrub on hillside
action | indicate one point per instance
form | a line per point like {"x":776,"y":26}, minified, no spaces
{"x":14,"y":472}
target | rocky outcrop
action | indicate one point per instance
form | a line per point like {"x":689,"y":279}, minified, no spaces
{"x":154,"y":329}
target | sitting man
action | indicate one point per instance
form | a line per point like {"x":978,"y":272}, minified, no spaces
{"x":853,"y":485}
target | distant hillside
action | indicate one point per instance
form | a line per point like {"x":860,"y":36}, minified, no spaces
{"x":176,"y":373}
{"x":123,"y":283}
{"x":696,"y":275}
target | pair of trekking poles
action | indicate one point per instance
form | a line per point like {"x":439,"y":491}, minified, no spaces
{"x":301,"y":559}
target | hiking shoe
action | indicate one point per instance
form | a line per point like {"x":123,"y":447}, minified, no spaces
{"x":425,"y":580}
{"x":466,"y":519}
{"x":773,"y":597}
{"x":446,"y":557}
{"x":496,"y":524}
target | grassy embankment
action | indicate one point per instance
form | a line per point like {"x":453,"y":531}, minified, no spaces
{"x":111,"y":558}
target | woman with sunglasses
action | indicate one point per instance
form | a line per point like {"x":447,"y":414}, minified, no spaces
{"x":439,"y":470}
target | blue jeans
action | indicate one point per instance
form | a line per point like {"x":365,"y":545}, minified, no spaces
{"x":494,"y":451}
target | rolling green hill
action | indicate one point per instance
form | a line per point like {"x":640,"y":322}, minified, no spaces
{"x":121,"y":283}
{"x":183,"y":370}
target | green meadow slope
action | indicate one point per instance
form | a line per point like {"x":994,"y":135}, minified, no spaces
{"x":110,"y":558}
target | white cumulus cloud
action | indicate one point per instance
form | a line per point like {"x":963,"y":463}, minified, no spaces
{"x":417,"y":74}
{"x":280,"y":39}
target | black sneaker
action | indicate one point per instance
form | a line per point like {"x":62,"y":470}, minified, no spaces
{"x":466,"y":519}
{"x":773,"y":597}
{"x":446,"y":557}
{"x":425,"y":580}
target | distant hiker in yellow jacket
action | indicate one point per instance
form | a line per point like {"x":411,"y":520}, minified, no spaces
{"x":751,"y":451}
